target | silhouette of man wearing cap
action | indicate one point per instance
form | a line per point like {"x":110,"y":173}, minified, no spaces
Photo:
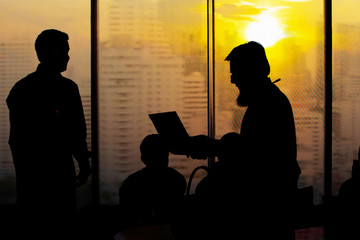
{"x":266,"y":146}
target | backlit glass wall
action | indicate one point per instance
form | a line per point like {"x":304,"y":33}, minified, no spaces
{"x":152,"y":58}
{"x":21,"y":22}
{"x":293,"y":36}
{"x":292,"y":33}
{"x":346,"y":89}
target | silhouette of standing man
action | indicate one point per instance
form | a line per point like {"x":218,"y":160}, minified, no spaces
{"x":267,"y":147}
{"x":48,"y":129}
{"x":268,"y":133}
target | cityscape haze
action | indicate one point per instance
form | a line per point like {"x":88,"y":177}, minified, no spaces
{"x":153,"y":58}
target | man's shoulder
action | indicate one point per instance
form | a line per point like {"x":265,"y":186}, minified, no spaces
{"x":68,"y":82}
{"x":278,"y":97}
{"x":173,"y":171}
{"x":134,"y":180}
{"x":23,"y":83}
{"x":176,"y":174}
{"x":135,"y":176}
{"x":25,"y":80}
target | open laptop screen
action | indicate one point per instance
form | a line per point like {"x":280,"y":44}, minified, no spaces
{"x":169,"y":125}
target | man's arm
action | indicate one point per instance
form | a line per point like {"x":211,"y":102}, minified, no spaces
{"x":202,"y":147}
{"x":80,"y":150}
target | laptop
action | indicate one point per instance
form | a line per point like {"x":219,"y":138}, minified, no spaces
{"x":169,"y":125}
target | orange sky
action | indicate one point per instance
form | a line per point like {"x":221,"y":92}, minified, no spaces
{"x":300,"y":23}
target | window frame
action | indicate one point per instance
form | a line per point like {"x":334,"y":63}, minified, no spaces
{"x":211,"y":92}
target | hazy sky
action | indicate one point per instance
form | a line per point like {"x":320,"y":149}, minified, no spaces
{"x":295,"y":16}
{"x":23,"y":20}
{"x":278,"y":24}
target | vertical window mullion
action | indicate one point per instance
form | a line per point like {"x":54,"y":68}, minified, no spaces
{"x":328,"y":99}
{"x":211,"y":71}
{"x":94,"y":103}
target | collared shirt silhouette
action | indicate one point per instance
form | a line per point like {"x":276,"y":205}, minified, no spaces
{"x":152,"y":194}
{"x":48,"y":129}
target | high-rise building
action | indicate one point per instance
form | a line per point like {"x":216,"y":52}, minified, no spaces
{"x":310,"y":149}
{"x":346,"y":103}
{"x":139,"y":74}
{"x":17,"y":59}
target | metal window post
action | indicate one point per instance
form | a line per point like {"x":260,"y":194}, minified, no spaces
{"x":328,"y":99}
{"x":211,"y":71}
{"x":94,"y":104}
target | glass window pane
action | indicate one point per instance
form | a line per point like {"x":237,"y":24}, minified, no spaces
{"x":22,"y":21}
{"x":293,"y":36}
{"x":346,"y":89}
{"x":152,"y":58}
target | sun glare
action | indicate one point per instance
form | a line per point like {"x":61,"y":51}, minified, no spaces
{"x":265,"y":30}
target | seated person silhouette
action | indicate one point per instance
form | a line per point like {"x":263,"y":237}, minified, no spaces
{"x":150,"y":195}
{"x":220,"y":177}
{"x":347,"y":220}
{"x":349,"y":191}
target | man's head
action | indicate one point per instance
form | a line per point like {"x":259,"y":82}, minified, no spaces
{"x":249,"y":67}
{"x":52,"y":49}
{"x":154,"y":152}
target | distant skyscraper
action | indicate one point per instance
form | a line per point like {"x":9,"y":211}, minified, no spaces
{"x":304,"y":86}
{"x":310,"y":148}
{"x":346,"y":102}
{"x":140,"y":75}
{"x":17,"y":59}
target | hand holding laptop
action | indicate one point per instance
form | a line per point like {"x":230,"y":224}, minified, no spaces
{"x":169,"y":125}
{"x":202,"y":147}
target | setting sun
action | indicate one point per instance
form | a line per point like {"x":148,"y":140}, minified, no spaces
{"x":265,"y":30}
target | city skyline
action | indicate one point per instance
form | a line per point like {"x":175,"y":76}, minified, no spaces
{"x":181,"y":37}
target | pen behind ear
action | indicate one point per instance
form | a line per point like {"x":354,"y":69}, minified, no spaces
{"x":277,"y":80}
